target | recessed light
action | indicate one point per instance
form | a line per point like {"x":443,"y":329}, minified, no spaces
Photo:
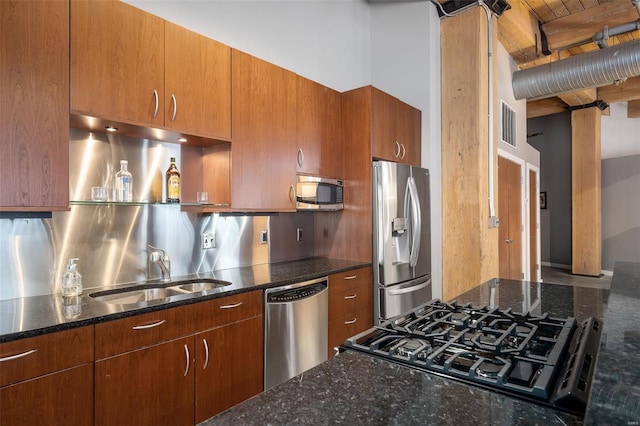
{"x":182,"y":139}
{"x":111,"y":129}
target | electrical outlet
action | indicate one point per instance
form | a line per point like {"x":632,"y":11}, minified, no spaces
{"x":264,"y":238}
{"x":299,"y":234}
{"x":208,"y":240}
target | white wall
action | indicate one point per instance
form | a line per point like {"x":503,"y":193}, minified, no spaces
{"x":343,"y":44}
{"x":620,"y":135}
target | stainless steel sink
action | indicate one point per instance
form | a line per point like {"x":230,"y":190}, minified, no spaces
{"x":138,"y":296}
{"x":201,"y":286}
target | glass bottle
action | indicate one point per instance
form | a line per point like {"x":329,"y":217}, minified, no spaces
{"x":71,"y":284}
{"x":173,"y":182}
{"x":123,"y":190}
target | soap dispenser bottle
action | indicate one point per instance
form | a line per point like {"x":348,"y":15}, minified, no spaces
{"x":71,"y":280}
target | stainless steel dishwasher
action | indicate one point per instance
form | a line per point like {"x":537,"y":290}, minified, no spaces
{"x":296,"y":329}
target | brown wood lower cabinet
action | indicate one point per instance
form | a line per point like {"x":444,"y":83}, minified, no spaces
{"x":350,"y":305}
{"x":229,"y":366}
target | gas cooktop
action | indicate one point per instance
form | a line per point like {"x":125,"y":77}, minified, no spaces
{"x":539,"y":358}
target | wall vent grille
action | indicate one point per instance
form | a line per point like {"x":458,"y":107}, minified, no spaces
{"x":508,"y":125}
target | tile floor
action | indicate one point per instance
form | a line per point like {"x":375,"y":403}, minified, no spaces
{"x":564,"y":276}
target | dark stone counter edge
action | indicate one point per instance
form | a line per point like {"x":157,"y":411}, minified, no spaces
{"x":235,"y":288}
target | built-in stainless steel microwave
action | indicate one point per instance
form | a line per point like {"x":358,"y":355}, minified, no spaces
{"x":318,"y":193}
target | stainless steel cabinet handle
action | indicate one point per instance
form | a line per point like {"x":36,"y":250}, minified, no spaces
{"x":144,"y":327}
{"x":206,"y":353}
{"x":353,"y":296}
{"x":509,"y":241}
{"x":292,"y":193}
{"x":235,"y":305}
{"x":404,"y":151}
{"x":175,"y":107}
{"x":397,"y":150}
{"x":186,"y":353}
{"x":9,"y":358}
{"x":353,"y":321}
{"x":155,"y":96}
{"x":351,"y":277}
{"x":300,"y":157}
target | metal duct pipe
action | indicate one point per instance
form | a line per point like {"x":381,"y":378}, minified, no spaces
{"x":592,"y":69}
{"x":636,"y":3}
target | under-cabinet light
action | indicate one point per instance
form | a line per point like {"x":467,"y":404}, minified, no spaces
{"x":111,"y":129}
{"x":182,"y":139}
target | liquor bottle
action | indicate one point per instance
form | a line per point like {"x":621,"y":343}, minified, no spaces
{"x":173,"y":183}
{"x":123,"y":188}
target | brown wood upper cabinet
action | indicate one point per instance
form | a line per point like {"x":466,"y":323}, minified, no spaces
{"x":34,"y":117}
{"x":318,"y":134}
{"x":264,"y":135}
{"x":130,"y":66}
{"x":396,"y":129}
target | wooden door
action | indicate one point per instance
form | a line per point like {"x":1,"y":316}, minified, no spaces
{"x":409,"y":127}
{"x":151,"y":386}
{"x":509,"y":212}
{"x":229,"y":366}
{"x":197,"y":93}
{"x":117,"y":62}
{"x":534,"y":262}
{"x":61,"y":398}
{"x":34,"y":115}
{"x":318,"y":134}
{"x":384,"y":138}
{"x":264,"y":127}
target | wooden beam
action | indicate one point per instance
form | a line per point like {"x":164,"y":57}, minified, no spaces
{"x":633,"y":109}
{"x":582,"y":26}
{"x":586,"y":215}
{"x":519,"y":33}
{"x":623,"y":92}
{"x":545,"y":107}
{"x":580,"y":97}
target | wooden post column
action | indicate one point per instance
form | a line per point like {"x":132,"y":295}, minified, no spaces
{"x":586,"y":228}
{"x":470,"y":247}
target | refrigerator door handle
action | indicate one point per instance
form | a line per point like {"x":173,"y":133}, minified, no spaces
{"x":410,"y":289}
{"x":411,"y":201}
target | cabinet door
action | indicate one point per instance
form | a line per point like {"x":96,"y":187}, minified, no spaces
{"x":151,"y":386}
{"x":318,"y":135}
{"x":63,"y":398}
{"x":264,"y":125}
{"x":198,"y":83}
{"x":34,"y":115}
{"x":229,"y":366}
{"x":384,"y":139}
{"x":408,"y":128}
{"x":117,"y":62}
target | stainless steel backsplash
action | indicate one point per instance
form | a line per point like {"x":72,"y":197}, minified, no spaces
{"x":112,"y":241}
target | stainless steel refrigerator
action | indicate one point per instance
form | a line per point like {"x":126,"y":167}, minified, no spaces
{"x":401,"y":239}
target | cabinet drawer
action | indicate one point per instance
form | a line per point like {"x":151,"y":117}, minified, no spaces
{"x":27,"y":358}
{"x":350,"y":292}
{"x":127,"y":334}
{"x":340,"y":330}
{"x":227,"y":310}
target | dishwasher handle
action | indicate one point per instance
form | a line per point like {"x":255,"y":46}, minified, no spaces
{"x":294,"y":294}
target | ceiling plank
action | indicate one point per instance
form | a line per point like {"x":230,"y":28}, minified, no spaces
{"x":582,"y":26}
{"x":580,"y":97}
{"x":633,"y":109}
{"x":623,"y":92}
{"x":518,"y":31}
{"x":545,"y":107}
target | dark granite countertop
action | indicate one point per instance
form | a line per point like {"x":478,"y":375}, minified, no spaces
{"x":31,"y":316}
{"x":355,"y":388}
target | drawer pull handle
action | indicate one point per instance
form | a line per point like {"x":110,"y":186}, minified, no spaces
{"x":353,"y":296}
{"x":351,"y":277}
{"x":12,"y":357}
{"x":206,"y":353}
{"x":144,"y":327}
{"x":353,"y":321}
{"x":235,"y":305}
{"x":186,"y":353}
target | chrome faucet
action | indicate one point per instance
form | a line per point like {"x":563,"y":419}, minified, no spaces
{"x":161,"y":258}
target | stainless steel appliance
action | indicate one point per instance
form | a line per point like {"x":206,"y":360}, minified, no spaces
{"x":545,"y":360}
{"x":296,"y":329}
{"x":401,"y":239}
{"x":318,"y":193}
